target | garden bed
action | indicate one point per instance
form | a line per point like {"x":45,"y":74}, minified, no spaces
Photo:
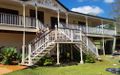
{"x":10,"y":68}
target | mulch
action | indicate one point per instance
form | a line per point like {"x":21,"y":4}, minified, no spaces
{"x":10,"y":68}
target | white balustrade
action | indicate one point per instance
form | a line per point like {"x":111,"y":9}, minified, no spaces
{"x":76,"y":34}
{"x":16,"y":20}
{"x":91,"y":30}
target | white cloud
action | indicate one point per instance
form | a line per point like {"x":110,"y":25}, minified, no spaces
{"x":93,"y":10}
{"x":87,"y":0}
{"x":80,"y":0}
{"x":108,"y":1}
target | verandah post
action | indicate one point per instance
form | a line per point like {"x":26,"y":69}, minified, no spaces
{"x":71,"y":35}
{"x":56,"y":32}
{"x":81,"y":51}
{"x":114,"y":39}
{"x":23,"y":46}
{"x":103,"y":39}
{"x":86,"y":18}
{"x":56,"y":36}
{"x":114,"y":44}
{"x":97,"y":52}
{"x":58,"y":54}
{"x":36,"y":15}
{"x":29,"y":55}
{"x":67,"y":19}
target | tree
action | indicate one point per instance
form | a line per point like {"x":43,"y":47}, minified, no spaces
{"x":116,"y":10}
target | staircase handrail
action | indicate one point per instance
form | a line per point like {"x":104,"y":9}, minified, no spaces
{"x":91,"y":44}
{"x":39,"y":38}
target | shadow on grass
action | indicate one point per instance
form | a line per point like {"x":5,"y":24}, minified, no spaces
{"x":54,"y":65}
{"x":114,"y":70}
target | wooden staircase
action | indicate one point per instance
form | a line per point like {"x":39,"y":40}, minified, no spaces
{"x":88,"y":47}
{"x":42,"y":45}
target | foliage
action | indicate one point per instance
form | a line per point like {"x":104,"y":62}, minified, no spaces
{"x":89,"y":58}
{"x":109,"y":26}
{"x":116,"y":7}
{"x":1,"y":57}
{"x":119,"y":61}
{"x":9,"y":55}
{"x":98,"y":68}
{"x":46,"y":61}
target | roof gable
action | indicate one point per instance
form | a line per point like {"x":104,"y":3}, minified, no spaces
{"x":53,"y":4}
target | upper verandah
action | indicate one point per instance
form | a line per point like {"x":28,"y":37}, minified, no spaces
{"x":50,"y":5}
{"x":57,"y":5}
{"x":49,"y":12}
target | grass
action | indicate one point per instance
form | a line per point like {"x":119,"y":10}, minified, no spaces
{"x":85,"y":69}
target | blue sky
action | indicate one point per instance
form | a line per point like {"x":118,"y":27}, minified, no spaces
{"x":95,"y":7}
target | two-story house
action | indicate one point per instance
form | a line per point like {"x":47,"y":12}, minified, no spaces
{"x":38,"y":27}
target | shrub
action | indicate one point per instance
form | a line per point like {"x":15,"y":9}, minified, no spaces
{"x":89,"y":58}
{"x":9,"y":55}
{"x":1,"y":57}
{"x":48,"y":62}
{"x":119,"y":61}
{"x":45,"y":61}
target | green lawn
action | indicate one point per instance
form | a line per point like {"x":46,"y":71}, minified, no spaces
{"x":85,"y":69}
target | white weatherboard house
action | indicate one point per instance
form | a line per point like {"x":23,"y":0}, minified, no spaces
{"x":40,"y":27}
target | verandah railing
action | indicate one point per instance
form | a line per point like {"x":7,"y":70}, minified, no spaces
{"x":90,"y":30}
{"x":17,"y":20}
{"x":76,"y":34}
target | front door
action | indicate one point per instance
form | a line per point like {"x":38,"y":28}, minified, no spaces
{"x":54,"y":21}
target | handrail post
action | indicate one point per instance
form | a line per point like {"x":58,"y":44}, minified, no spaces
{"x":80,"y":34}
{"x":48,"y":34}
{"x":56,"y":29}
{"x":71,"y":35}
{"x":29,"y":55}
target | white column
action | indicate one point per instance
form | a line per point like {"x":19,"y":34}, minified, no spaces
{"x":36,"y":16}
{"x":58,"y":18}
{"x":81,"y":51}
{"x":23,"y":47}
{"x":72,"y":37}
{"x":56,"y":31}
{"x":115,"y":28}
{"x":114,"y":44}
{"x":81,"y":55}
{"x":67,"y":19}
{"x":58,"y":54}
{"x":114,"y":39}
{"x":103,"y":45}
{"x":103,"y":39}
{"x":97,"y":52}
{"x":102,"y":27}
{"x":29,"y":55}
{"x":86,"y":18}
